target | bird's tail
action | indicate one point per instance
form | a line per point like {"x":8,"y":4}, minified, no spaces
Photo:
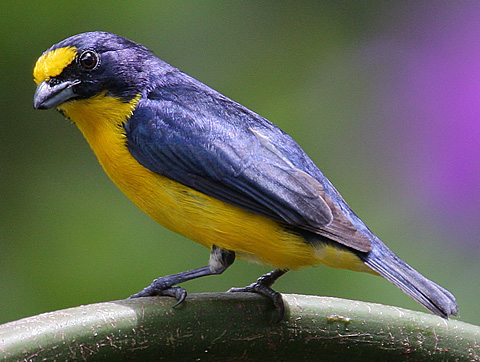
{"x":429,"y":294}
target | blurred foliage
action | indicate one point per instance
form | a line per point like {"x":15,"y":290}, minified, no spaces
{"x":69,"y":237}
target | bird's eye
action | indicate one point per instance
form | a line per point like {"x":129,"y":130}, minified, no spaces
{"x":88,"y":59}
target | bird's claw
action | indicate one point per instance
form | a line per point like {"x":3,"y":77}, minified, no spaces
{"x":260,"y":288}
{"x":158,"y":288}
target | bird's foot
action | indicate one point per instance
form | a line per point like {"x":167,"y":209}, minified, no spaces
{"x":263,"y":286}
{"x":162,"y":287}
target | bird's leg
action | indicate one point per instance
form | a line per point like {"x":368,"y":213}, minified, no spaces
{"x":263,"y":286}
{"x":220,"y":260}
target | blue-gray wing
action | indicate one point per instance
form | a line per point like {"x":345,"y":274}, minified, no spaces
{"x":193,"y":135}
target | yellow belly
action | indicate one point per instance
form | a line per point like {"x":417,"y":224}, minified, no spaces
{"x":188,"y":212}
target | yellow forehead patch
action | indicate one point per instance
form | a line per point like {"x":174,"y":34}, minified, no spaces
{"x":52,"y":63}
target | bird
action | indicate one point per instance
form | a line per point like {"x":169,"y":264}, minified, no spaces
{"x":212,"y":170}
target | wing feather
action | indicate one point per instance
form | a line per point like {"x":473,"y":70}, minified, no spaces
{"x":195,"y":136}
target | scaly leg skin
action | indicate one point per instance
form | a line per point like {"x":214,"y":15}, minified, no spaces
{"x":220,"y":260}
{"x":262,"y":286}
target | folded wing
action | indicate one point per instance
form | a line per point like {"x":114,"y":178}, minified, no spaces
{"x":195,"y":136}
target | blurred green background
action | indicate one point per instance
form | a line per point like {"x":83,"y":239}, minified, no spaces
{"x":383,"y":97}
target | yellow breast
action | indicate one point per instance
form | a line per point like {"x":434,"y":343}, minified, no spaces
{"x":181,"y":209}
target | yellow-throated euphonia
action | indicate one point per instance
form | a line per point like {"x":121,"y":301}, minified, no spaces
{"x":212,"y":170}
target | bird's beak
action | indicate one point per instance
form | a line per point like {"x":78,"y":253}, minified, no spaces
{"x":48,"y":96}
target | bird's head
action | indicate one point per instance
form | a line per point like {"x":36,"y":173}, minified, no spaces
{"x":88,"y":65}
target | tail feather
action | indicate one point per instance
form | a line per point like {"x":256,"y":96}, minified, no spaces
{"x":429,"y":294}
